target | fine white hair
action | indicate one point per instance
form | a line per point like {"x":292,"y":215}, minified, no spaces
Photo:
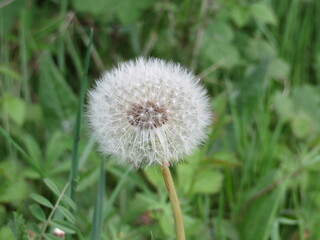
{"x":148,"y":111}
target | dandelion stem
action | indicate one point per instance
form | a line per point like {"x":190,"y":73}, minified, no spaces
{"x":174,"y":202}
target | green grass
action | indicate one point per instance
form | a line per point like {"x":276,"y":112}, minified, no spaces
{"x":257,"y":176}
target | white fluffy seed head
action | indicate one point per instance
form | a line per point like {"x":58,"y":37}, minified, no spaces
{"x":148,"y":111}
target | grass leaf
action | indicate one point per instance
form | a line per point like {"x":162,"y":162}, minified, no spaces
{"x":98,"y":208}
{"x":84,"y":85}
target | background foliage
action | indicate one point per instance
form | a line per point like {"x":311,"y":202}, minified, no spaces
{"x":256,"y":178}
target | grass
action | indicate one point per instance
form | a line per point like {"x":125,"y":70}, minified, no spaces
{"x":256,"y":178}
{"x":97,"y":216}
{"x":83,"y":90}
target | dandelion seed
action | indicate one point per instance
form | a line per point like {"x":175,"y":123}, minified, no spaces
{"x":166,"y":114}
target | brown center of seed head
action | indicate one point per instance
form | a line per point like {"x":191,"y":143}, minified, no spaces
{"x":147,"y":115}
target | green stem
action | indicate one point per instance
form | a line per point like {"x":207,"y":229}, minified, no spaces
{"x":45,"y":225}
{"x":98,"y":208}
{"x":174,"y":203}
{"x":74,"y":161}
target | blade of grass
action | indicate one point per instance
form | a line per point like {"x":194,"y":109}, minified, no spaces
{"x":73,"y":51}
{"x":116,"y":192}
{"x":220,"y":232}
{"x":24,"y":57}
{"x":86,"y":152}
{"x":95,"y":55}
{"x":98,"y":208}
{"x":84,"y":83}
{"x":61,"y":46}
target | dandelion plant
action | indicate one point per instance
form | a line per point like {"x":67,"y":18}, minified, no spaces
{"x":149,"y":111}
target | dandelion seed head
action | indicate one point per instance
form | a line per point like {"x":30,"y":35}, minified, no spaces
{"x":148,"y":111}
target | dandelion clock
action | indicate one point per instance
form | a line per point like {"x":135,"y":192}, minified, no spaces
{"x":149,"y":111}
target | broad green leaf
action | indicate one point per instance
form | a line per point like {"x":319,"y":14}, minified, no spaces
{"x":240,"y":15}
{"x":192,"y":225}
{"x":283,"y":106}
{"x":34,"y":114}
{"x":263,"y":13}
{"x":14,"y":190}
{"x":64,"y":226}
{"x":154,"y":176}
{"x":167,"y":222}
{"x":259,"y":49}
{"x":6,"y":234}
{"x":221,"y":52}
{"x":223,"y":159}
{"x":53,"y":187}
{"x":302,"y":125}
{"x":220,"y":32}
{"x":15,"y":108}
{"x":185,"y":174}
{"x":306,"y":99}
{"x":151,"y":201}
{"x":279,"y":69}
{"x":41,"y":200}
{"x":37,"y":212}
{"x":207,"y":181}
